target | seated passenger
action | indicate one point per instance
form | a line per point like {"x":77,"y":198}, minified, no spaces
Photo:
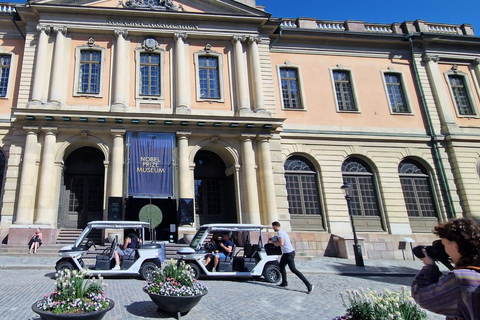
{"x":130,"y":244}
{"x":224,"y":248}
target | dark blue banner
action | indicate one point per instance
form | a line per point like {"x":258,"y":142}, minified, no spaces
{"x":150,"y":165}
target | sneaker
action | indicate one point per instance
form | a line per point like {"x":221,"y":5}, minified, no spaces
{"x":283,"y":285}
{"x":117,"y":267}
{"x":310,"y":288}
{"x":214,"y":270}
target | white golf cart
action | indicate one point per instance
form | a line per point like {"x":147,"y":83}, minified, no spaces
{"x":255,"y":259}
{"x":142,"y":261}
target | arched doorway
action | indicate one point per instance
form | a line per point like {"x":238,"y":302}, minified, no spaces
{"x":81,"y":198}
{"x":214,"y":191}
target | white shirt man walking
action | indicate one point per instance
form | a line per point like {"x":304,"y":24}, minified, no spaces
{"x":288,"y":257}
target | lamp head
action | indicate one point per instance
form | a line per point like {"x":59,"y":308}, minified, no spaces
{"x":347,"y":190}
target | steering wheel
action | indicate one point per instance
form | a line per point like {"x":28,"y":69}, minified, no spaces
{"x":90,"y":243}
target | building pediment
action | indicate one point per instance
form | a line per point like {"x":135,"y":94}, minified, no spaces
{"x":226,"y":7}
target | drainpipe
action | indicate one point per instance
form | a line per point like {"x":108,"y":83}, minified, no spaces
{"x":433,"y":141}
{"x":280,"y":30}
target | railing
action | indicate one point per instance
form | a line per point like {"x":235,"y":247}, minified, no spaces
{"x":6,"y":8}
{"x":288,"y":24}
{"x":332,"y":26}
{"x":378,"y":28}
{"x":437,"y":28}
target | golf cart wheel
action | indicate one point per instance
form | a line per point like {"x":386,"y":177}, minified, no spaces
{"x":196,"y":270}
{"x":272,"y":274}
{"x":147,"y":269}
{"x":64,"y":265}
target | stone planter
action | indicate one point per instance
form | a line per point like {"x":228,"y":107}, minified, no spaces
{"x":175,"y":305}
{"x":95,"y":315}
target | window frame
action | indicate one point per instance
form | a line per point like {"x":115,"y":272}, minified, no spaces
{"x":404,"y":88}
{"x":11,"y":73}
{"x":76,"y":82}
{"x":426,"y":176}
{"x":352,"y":86}
{"x":299,"y":83}
{"x":138,"y":84}
{"x":469,"y":90}
{"x":221,"y":89}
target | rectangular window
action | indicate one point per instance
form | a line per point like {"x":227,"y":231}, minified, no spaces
{"x":5,"y":61}
{"x":343,"y":91}
{"x":395,"y":91}
{"x":208,"y":77}
{"x":90,"y":69}
{"x":460,"y":95}
{"x":149,"y":74}
{"x":290,"y":88}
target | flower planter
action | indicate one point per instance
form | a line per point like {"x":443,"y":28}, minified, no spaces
{"x":175,"y":305}
{"x":95,"y":315}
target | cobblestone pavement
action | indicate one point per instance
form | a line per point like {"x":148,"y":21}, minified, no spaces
{"x":226,"y":299}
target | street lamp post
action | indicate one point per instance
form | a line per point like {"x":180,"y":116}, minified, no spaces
{"x":357,"y":249}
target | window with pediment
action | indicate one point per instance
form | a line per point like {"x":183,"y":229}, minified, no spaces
{"x":290,"y":87}
{"x":396,"y":94}
{"x":89,"y":70}
{"x":209,"y":75}
{"x":344,"y":91}
{"x":461,"y":94}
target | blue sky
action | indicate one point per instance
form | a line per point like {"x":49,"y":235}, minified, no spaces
{"x":379,"y":11}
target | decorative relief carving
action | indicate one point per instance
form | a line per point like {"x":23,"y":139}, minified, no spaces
{"x":476,"y":62}
{"x":153,"y":24}
{"x":208,"y":48}
{"x":150,"y":44}
{"x":91,"y":43}
{"x":239,"y":39}
{"x":180,"y":35}
{"x":44,"y":28}
{"x":160,"y":5}
{"x":256,"y":40}
{"x":428,"y":58}
{"x":121,"y":32}
{"x":62,"y":30}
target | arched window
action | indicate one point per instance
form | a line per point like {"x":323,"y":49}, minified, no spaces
{"x":364,"y":200}
{"x":302,"y":187}
{"x":416,"y":189}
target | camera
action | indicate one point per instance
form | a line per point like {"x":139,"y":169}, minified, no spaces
{"x":436,"y":251}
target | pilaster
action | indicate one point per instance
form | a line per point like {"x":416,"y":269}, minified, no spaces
{"x":119,"y":103}
{"x":243,"y":96}
{"x":181,"y":77}
{"x":55,"y":93}
{"x":250,"y":180}
{"x":37,"y":97}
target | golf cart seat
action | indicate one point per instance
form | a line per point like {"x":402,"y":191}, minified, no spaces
{"x":249,"y":260}
{"x":129,"y":260}
{"x":226,"y":265}
{"x":104,"y":260}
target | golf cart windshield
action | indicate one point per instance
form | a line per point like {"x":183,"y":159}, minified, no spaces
{"x":197,"y":238}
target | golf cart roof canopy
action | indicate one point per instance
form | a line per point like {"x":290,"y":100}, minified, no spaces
{"x":218,"y":227}
{"x":117,"y":224}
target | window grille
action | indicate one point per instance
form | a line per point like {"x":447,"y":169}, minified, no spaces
{"x":208,"y":75}
{"x":460,"y":95}
{"x":396,"y":93}
{"x":90,"y":68}
{"x":290,"y":88}
{"x":5,"y":61}
{"x":150,"y":74}
{"x":343,"y":91}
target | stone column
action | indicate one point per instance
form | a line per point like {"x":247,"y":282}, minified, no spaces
{"x":46,"y":213}
{"x":266,"y":180}
{"x":185,"y":183}
{"x":437,"y":82}
{"x":26,"y":193}
{"x":243,"y":97}
{"x":119,"y":103}
{"x":40,"y":61}
{"x":116,"y":163}
{"x":259,"y":102}
{"x":56,"y":81}
{"x":250,"y":180}
{"x":181,"y":84}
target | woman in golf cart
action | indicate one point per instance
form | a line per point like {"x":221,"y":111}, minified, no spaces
{"x":130,"y":244}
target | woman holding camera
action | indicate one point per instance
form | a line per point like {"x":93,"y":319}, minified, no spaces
{"x":457,"y":294}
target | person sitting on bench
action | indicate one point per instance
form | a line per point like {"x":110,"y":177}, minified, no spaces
{"x":130,"y":244}
{"x":224,"y":249}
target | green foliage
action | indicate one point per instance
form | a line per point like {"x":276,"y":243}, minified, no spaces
{"x":370,"y":305}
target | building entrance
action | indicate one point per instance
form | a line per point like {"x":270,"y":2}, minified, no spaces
{"x":82,"y":190}
{"x":214,"y":191}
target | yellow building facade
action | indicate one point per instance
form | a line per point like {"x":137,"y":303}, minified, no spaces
{"x":213,"y":111}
